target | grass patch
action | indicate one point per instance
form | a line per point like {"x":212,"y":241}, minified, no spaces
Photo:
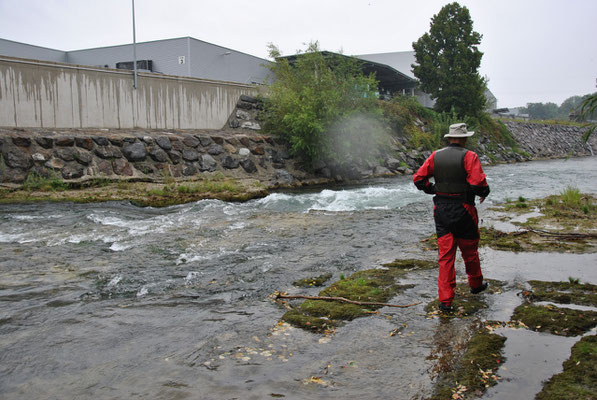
{"x":372,"y":285}
{"x":465,"y":303}
{"x":571,"y":292}
{"x":313,"y":281}
{"x":138,"y":193}
{"x":571,"y":209}
{"x":579,"y":378}
{"x":37,"y":182}
{"x":533,"y":241}
{"x":475,"y":371}
{"x":208,"y":186}
{"x":558,"y":321}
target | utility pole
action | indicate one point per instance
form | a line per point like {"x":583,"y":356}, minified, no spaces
{"x":134,"y":49}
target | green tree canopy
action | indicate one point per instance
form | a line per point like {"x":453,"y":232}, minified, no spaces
{"x":575,"y":107}
{"x":448,"y":61}
{"x":570,"y":105}
{"x":543,"y":110}
{"x":588,"y":109}
{"x":319,"y":103}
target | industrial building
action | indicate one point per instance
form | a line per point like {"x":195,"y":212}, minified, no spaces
{"x":184,"y":56}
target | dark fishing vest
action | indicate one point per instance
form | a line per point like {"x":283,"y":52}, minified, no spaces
{"x":448,"y":171}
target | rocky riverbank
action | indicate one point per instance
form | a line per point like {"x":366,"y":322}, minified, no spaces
{"x":81,"y":157}
{"x":551,"y":141}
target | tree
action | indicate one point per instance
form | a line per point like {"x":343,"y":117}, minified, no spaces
{"x":569,"y":106}
{"x":588,"y":109}
{"x":448,"y":61}
{"x":317,"y":103}
{"x":543,"y":110}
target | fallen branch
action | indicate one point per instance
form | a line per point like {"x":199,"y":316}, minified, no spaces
{"x":279,"y":295}
{"x":563,"y":235}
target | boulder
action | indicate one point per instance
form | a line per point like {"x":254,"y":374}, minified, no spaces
{"x":16,"y":157}
{"x":122,"y":167}
{"x":243,"y":115}
{"x":73,"y":171}
{"x":38,"y":157}
{"x":157,"y":154}
{"x":191,"y":141}
{"x":101,"y":140}
{"x":217,"y":139}
{"x":244,"y":105}
{"x":233,"y":141}
{"x":228,"y":148}
{"x":177,"y":144}
{"x":189,"y":170}
{"x":84,"y":142}
{"x":164,"y":142}
{"x":66,"y":154}
{"x":205,"y":141}
{"x":83,"y":157}
{"x":230,"y":162}
{"x":45,"y":142}
{"x":248,"y":165}
{"x":215,"y":149}
{"x":21,"y":141}
{"x":207,"y":163}
{"x":54,"y":163}
{"x":258,"y":150}
{"x":104,"y":167}
{"x":250,"y":125}
{"x":145,"y":167}
{"x":175,"y":156}
{"x":245,"y":141}
{"x":284,"y":177}
{"x":189,"y":155}
{"x":249,"y":99}
{"x":108,"y":152}
{"x":392,"y":164}
{"x":135,"y":151}
{"x":64,"y":141}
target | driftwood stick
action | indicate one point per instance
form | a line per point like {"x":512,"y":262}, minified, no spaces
{"x":570,"y":235}
{"x":278,"y":295}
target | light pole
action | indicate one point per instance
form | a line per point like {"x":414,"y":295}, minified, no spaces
{"x":134,"y":49}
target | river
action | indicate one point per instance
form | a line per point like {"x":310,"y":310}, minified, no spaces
{"x":110,"y":301}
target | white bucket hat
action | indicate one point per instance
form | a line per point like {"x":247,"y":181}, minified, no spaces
{"x":459,"y":131}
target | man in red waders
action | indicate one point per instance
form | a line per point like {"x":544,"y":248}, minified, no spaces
{"x":458,"y":178}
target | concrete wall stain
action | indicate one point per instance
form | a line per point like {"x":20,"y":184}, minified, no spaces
{"x":38,"y":94}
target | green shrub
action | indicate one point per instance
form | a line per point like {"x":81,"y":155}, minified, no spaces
{"x":324,"y":106}
{"x":52,"y":182}
{"x":571,"y":197}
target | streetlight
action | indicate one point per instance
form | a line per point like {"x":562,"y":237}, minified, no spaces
{"x":134,"y":49}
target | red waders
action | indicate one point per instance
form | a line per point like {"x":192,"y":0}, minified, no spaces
{"x":463,"y":234}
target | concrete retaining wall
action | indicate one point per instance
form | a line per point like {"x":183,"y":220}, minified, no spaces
{"x":35,"y":94}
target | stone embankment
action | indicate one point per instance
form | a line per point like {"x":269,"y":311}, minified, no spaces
{"x":154,"y":156}
{"x":551,"y":141}
{"x":78,"y":155}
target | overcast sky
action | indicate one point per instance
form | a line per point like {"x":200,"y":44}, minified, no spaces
{"x":535,"y":50}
